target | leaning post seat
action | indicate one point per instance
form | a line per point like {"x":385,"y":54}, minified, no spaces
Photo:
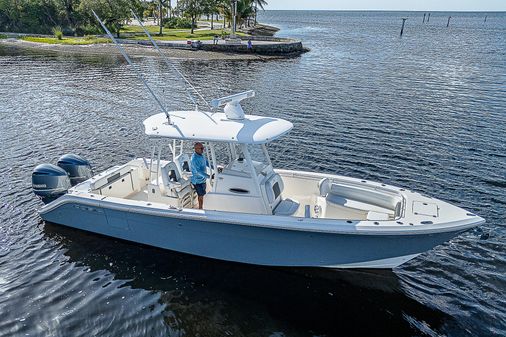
{"x":176,"y":186}
{"x":183,"y":164}
{"x":273,"y":187}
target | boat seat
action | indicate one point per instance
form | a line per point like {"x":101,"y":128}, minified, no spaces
{"x":286,"y":207}
{"x":183,"y":164}
{"x":176,"y":186}
{"x":359,"y":198}
{"x":362,"y":206}
{"x":366,"y":195}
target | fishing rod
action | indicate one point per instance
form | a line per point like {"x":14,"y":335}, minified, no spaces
{"x":122,"y":51}
{"x":170,"y":64}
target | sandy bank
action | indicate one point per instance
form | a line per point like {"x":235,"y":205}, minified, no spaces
{"x":135,"y":50}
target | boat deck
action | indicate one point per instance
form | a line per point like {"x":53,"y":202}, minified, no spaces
{"x":306,"y":195}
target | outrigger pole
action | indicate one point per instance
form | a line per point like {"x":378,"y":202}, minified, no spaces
{"x":131,"y":64}
{"x":169,"y":64}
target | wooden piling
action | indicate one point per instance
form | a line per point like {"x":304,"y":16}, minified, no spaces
{"x":448,"y":23}
{"x":423,"y":18}
{"x":428,"y":18}
{"x":485,"y":19}
{"x":402,"y":28}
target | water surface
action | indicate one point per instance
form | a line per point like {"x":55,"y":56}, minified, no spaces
{"x":426,"y":111}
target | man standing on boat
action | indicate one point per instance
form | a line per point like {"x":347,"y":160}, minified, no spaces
{"x":199,"y":172}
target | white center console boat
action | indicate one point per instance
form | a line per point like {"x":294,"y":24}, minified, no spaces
{"x":253,"y":213}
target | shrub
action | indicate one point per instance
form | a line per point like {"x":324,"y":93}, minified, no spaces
{"x":57,"y":32}
{"x":68,"y":32}
{"x":2,"y":36}
{"x":181,"y":23}
{"x":169,"y":22}
{"x":88,"y":30}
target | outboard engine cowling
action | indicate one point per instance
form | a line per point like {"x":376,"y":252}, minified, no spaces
{"x":78,"y":168}
{"x":49,"y":182}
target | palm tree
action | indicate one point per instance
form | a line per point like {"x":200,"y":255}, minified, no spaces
{"x":211,"y":7}
{"x":225,"y":9}
{"x":191,"y":9}
{"x":161,"y":4}
{"x":261,"y":4}
{"x":245,"y":10}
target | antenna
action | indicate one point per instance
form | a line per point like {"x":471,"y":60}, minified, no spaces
{"x":233,"y":109}
{"x":169,"y":63}
{"x":122,"y":51}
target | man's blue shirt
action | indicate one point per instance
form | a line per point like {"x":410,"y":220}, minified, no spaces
{"x":199,"y":169}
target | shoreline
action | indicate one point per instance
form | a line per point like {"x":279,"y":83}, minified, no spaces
{"x":269,"y":48}
{"x":132,"y":50}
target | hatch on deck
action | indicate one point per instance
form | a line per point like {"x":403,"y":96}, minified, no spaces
{"x":424,"y":208}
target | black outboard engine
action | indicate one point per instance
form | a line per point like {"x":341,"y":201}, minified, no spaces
{"x":78,"y":168}
{"x":50,"y":182}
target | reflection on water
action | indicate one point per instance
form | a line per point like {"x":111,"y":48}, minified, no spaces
{"x":209,"y":297}
{"x":424,"y":111}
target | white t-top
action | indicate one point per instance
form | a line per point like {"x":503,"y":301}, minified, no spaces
{"x":199,"y":125}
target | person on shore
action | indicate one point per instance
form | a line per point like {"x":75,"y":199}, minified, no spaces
{"x":199,"y":172}
{"x":215,"y":39}
{"x":250,"y":46}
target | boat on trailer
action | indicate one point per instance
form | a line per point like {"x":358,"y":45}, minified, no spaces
{"x":253,"y":213}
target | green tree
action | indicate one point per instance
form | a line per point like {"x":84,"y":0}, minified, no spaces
{"x":223,"y":8}
{"x":150,"y":9}
{"x":113,"y":13}
{"x":69,"y":8}
{"x":245,"y":10}
{"x":29,"y":16}
{"x":261,"y":4}
{"x":210,"y":8}
{"x":191,"y":9}
{"x":161,"y":5}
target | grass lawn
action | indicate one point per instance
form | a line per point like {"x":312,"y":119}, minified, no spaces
{"x":151,"y":29}
{"x":67,"y":40}
{"x":173,"y":34}
{"x":135,"y":33}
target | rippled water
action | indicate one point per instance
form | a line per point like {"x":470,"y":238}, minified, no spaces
{"x":426,"y":111}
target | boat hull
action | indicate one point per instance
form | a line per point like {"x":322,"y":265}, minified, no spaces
{"x":260,"y":245}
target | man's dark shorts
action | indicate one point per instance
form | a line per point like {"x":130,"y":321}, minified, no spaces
{"x":200,"y":188}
